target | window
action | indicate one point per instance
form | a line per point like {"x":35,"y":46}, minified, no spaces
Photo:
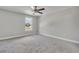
{"x":28,"y":24}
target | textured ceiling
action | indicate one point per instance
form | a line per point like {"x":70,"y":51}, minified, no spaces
{"x":28,"y":10}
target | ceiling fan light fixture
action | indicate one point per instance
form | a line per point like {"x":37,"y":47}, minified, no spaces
{"x":32,"y":7}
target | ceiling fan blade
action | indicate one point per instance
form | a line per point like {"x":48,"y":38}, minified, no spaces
{"x":41,"y":9}
{"x":36,"y":10}
{"x":40,"y":12}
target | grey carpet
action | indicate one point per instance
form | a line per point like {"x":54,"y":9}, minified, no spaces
{"x":37,"y":44}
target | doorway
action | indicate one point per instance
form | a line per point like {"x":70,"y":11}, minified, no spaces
{"x":28,"y":24}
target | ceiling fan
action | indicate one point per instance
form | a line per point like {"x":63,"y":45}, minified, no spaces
{"x":36,"y":10}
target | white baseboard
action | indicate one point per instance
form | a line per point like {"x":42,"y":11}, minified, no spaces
{"x":15,"y":36}
{"x":52,"y":36}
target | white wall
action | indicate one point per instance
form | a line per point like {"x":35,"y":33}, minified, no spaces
{"x":36,"y":25}
{"x":12,"y":24}
{"x":63,"y":24}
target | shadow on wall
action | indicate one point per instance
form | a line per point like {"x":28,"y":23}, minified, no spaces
{"x":62,"y":24}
